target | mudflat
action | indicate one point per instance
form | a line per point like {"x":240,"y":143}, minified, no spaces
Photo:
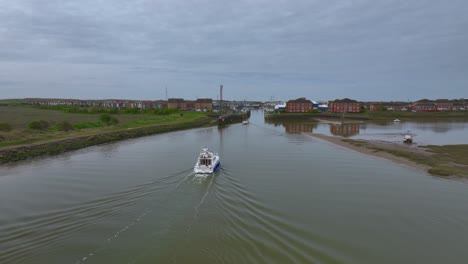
{"x":445,"y":160}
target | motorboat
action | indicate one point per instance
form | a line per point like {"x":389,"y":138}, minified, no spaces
{"x":208,"y":162}
{"x":245,"y":122}
{"x":408,"y":138}
{"x":396,"y":120}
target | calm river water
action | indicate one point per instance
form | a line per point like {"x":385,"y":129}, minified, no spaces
{"x":278,"y":198}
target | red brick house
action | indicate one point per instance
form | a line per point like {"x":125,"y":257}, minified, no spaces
{"x":345,"y":105}
{"x":443,"y":105}
{"x":189,"y":105}
{"x":390,"y":106}
{"x":176,"y":103}
{"x":205,"y":104}
{"x":300,"y":105}
{"x":424,"y":105}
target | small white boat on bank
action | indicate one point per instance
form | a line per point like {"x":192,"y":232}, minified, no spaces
{"x":245,"y":122}
{"x":208,"y":161}
{"x":396,"y":120}
{"x":408,"y":138}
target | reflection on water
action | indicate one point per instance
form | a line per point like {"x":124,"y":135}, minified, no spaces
{"x":440,"y":127}
{"x":297,"y":128}
{"x":435,"y":133}
{"x":294,"y":127}
{"x":344,"y":130}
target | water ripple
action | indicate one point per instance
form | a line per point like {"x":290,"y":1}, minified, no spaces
{"x":36,"y":231}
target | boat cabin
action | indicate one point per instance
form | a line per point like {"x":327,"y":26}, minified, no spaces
{"x":205,"y":161}
{"x":205,"y":158}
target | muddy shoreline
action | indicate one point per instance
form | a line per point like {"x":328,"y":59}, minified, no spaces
{"x":445,"y":160}
{"x":369,"y":149}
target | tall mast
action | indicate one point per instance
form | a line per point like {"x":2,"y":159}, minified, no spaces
{"x":220,"y":98}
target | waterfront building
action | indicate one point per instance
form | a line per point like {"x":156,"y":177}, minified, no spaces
{"x":204,"y":104}
{"x":345,"y":105}
{"x":390,"y":106}
{"x":443,"y":105}
{"x":424,"y":105}
{"x":176,"y":103}
{"x":300,"y":105}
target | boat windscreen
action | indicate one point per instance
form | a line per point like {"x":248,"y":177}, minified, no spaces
{"x":204,"y":161}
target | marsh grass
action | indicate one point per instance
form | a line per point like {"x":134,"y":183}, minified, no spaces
{"x":446,"y":160}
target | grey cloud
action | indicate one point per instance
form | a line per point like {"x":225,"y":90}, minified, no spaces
{"x":319,"y":49}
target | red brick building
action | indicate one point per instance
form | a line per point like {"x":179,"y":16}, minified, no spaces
{"x":300,"y":105}
{"x":424,"y":105}
{"x":345,"y":105}
{"x":443,"y":105}
{"x":390,"y":106}
{"x":205,"y":104}
{"x":176,"y":103}
{"x":189,"y":105}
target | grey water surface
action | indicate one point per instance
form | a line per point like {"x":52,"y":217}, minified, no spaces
{"x":278,"y":197}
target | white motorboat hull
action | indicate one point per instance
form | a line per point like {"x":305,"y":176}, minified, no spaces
{"x":408,"y":139}
{"x":207,"y":162}
{"x":203,"y":169}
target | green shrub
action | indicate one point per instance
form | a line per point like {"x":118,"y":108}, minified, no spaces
{"x":105,"y":118}
{"x":114,"y":121}
{"x":44,"y":124}
{"x":108,"y":119}
{"x":5,"y":127}
{"x":133,"y":110}
{"x":39,"y":125}
{"x":64,"y":126}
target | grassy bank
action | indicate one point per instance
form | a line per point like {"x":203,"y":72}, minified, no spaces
{"x":447,"y":160}
{"x":21,"y":142}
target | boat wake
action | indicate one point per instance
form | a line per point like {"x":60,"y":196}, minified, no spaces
{"x":114,"y":236}
{"x":23,"y":242}
{"x":200,"y":178}
{"x":188,"y":174}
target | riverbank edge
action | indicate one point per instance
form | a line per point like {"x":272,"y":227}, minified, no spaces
{"x":23,"y":152}
{"x":372,"y":152}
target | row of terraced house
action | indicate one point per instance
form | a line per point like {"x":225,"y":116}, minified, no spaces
{"x":347,"y":105}
{"x":423,"y":105}
{"x":205,"y":104}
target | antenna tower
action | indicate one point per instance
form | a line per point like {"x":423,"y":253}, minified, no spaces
{"x":220,"y":98}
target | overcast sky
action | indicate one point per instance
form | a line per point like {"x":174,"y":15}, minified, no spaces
{"x":361,"y":49}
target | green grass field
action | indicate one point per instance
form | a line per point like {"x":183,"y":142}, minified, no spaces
{"x":18,"y":117}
